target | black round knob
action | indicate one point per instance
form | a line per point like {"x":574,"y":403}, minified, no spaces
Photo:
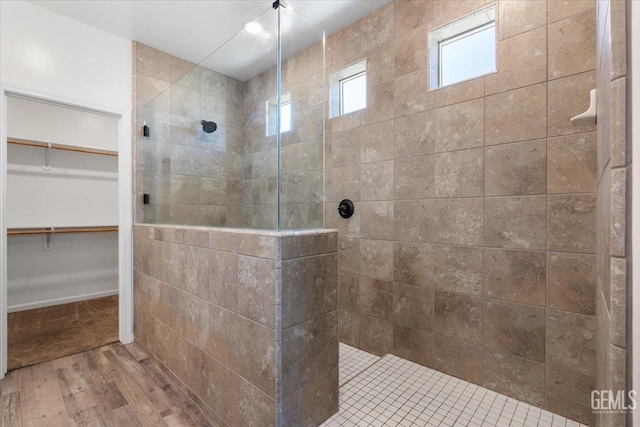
{"x":346,"y":208}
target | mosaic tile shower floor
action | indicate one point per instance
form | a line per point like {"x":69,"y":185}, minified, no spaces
{"x":391,"y":391}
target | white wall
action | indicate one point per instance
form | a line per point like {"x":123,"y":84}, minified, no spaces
{"x":81,"y":189}
{"x":69,"y":272}
{"x":40,"y":121}
{"x":49,"y":55}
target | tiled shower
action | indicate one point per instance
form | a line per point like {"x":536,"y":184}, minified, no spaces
{"x":487,"y":241}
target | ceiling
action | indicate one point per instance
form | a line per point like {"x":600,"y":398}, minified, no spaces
{"x":192,"y":30}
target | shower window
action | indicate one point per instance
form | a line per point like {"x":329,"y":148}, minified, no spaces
{"x":353,"y":93}
{"x":464,"y":50}
{"x":348,"y":89}
{"x":285,"y":114}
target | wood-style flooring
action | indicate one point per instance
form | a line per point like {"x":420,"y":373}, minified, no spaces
{"x":52,"y":332}
{"x":115,"y":385}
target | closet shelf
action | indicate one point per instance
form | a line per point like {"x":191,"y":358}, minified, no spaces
{"x":60,"y":230}
{"x":62,"y":147}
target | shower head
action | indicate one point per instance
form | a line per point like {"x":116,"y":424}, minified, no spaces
{"x":208,"y":127}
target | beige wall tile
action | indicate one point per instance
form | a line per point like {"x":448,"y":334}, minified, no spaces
{"x":457,"y":358}
{"x":221,"y":341}
{"x":515,"y":222}
{"x":571,"y":341}
{"x":370,"y":334}
{"x":255,"y":407}
{"x":517,"y":17}
{"x":413,"y":220}
{"x":413,"y":135}
{"x":569,"y":97}
{"x":349,"y":255}
{"x":380,"y":64}
{"x":407,"y":98}
{"x":345,"y":148}
{"x":561,"y":9}
{"x":522,"y":61}
{"x":413,"y":344}
{"x":377,"y":259}
{"x":571,"y":223}
{"x":459,"y":173}
{"x":256,"y":290}
{"x":459,"y":92}
{"x":517,"y":115}
{"x":148,"y":88}
{"x":458,"y":316}
{"x":366,"y":296}
{"x":514,"y":376}
{"x":619,"y":147}
{"x":256,"y":355}
{"x":459,"y":126}
{"x":343,"y":183}
{"x":309,"y":350}
{"x":413,"y":263}
{"x":459,"y":221}
{"x":571,"y":282}
{"x":377,"y":28}
{"x":412,"y":51}
{"x":618,"y":209}
{"x":572,"y":45}
{"x":618,"y":302}
{"x":413,"y":306}
{"x":221,"y":385}
{"x":516,"y":276}
{"x":308,"y":245}
{"x":309,"y":288}
{"x":414,"y":177}
{"x":566,"y":393}
{"x":376,"y":181}
{"x":376,"y":143}
{"x":516,"y":169}
{"x":516,"y":329}
{"x":314,"y":403}
{"x":152,"y":62}
{"x":572,"y":164}
{"x":380,"y":103}
{"x":411,"y":14}
{"x":458,"y":269}
{"x":377,"y":220}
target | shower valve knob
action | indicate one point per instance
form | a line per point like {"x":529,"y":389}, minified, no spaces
{"x":346,"y":208}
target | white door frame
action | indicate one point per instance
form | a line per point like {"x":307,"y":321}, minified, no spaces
{"x":125,"y":208}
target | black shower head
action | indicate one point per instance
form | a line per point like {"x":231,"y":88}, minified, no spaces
{"x":208,"y":127}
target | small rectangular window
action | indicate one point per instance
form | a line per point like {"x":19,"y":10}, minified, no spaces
{"x":464,"y":50}
{"x":285,"y":114}
{"x":353,"y":93}
{"x":348,"y":89}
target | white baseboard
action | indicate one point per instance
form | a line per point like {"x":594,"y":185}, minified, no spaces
{"x":47,"y":303}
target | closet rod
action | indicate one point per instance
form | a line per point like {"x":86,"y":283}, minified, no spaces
{"x":61,"y":147}
{"x":61,"y":230}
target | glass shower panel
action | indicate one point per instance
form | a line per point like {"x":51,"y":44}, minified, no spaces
{"x":206,"y":160}
{"x":223,"y":149}
{"x":302,"y":147}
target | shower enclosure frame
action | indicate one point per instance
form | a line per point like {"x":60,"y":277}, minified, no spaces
{"x":125,"y":208}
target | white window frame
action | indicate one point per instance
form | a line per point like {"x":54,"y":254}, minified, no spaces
{"x":456,"y":38}
{"x":271,"y":116}
{"x":336,"y":82}
{"x":454,"y":31}
{"x":346,"y":80}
